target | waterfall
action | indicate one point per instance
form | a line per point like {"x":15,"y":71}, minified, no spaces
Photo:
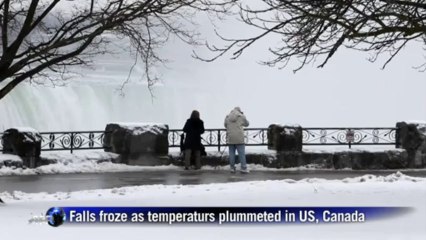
{"x":337,"y":96}
{"x":92,"y":106}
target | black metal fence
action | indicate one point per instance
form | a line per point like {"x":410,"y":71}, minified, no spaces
{"x":81,"y":140}
{"x":349,"y":136}
{"x":52,"y":141}
{"x":217,"y":137}
{"x":84,"y":140}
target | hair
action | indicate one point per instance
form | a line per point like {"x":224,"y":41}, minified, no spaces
{"x":195,"y":114}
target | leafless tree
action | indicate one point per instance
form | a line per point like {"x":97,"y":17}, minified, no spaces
{"x":41,"y":39}
{"x":313,"y":30}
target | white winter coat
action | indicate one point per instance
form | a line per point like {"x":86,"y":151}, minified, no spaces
{"x":234,"y":124}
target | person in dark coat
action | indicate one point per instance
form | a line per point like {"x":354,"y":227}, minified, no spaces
{"x":193,"y":128}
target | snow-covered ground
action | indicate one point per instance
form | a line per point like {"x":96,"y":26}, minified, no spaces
{"x":393,"y":190}
{"x":93,"y":166}
{"x":100,"y":161}
{"x":397,"y":190}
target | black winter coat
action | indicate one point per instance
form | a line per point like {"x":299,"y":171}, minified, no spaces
{"x":193,"y":129}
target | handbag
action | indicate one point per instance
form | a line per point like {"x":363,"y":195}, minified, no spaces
{"x":203,"y":150}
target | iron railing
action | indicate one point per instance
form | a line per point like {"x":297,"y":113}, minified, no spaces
{"x":217,"y":137}
{"x":349,"y":136}
{"x":84,"y":140}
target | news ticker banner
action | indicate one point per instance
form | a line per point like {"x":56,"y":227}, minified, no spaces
{"x":57,"y":216}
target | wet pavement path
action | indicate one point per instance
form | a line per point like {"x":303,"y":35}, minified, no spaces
{"x":86,"y":181}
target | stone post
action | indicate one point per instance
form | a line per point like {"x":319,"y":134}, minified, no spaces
{"x":287,"y":141}
{"x":411,"y":137}
{"x":24,"y":142}
{"x":138,"y":143}
{"x":285,"y":138}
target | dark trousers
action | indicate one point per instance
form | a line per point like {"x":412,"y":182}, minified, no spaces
{"x":197,"y":158}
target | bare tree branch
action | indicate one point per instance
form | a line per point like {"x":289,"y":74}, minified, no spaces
{"x":316,"y":29}
{"x":39,"y":37}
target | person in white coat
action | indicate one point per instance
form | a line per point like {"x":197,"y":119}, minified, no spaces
{"x":235,"y":122}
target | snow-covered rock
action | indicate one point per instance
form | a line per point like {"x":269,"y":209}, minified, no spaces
{"x":24,"y":142}
{"x":138,"y":143}
{"x":285,"y":138}
{"x":136,"y":138}
{"x":412,"y":137}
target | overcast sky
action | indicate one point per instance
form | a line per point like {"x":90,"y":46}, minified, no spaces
{"x":348,"y":91}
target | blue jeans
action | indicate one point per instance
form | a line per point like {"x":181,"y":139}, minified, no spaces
{"x":241,"y":155}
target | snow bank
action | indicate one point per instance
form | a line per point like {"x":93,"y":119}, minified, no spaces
{"x":88,"y":166}
{"x":9,"y":157}
{"x":336,"y":149}
{"x":292,"y":125}
{"x":99,"y":161}
{"x":396,"y":177}
{"x":82,"y":162}
{"x":418,"y":122}
{"x":29,"y":133}
{"x":26,"y":129}
{"x":141,"y":128}
{"x":79,"y":156}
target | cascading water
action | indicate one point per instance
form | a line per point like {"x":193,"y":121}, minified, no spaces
{"x":97,"y":96}
{"x":336,"y":96}
{"x":92,"y":106}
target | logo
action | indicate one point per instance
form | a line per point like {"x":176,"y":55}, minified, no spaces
{"x":55,"y":216}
